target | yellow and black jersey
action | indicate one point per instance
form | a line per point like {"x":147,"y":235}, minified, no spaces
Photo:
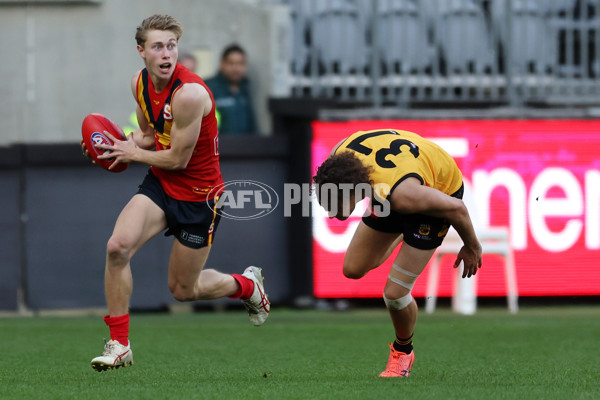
{"x":396,"y":155}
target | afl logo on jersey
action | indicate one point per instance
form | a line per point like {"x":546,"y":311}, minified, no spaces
{"x":167,"y":113}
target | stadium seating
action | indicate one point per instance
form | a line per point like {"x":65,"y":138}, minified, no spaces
{"x":300,"y":18}
{"x":402,"y":40}
{"x":461,"y":52}
{"x":339,"y":38}
{"x":531,"y":44}
{"x":464,"y":38}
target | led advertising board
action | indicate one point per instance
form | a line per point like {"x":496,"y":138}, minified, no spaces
{"x":539,"y":179}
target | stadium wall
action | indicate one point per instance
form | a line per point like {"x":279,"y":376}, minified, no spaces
{"x":59,"y":210}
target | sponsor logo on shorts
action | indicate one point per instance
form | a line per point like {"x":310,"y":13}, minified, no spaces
{"x":443,"y":231}
{"x":191,"y":238}
{"x":423,"y":233}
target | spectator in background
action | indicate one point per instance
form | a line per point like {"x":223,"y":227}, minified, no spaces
{"x":230,"y":88}
{"x":188,"y":60}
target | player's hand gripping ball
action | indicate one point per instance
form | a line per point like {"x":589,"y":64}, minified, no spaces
{"x":92,"y":132}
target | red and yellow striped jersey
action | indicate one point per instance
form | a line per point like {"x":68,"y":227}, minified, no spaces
{"x":203,"y":173}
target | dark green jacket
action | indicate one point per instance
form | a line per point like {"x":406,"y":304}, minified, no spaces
{"x":235,"y":109}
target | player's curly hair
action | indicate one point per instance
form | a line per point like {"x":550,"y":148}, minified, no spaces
{"x":160,"y":22}
{"x":344,"y":167}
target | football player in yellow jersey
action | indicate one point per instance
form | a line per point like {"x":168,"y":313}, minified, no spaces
{"x":416,"y":191}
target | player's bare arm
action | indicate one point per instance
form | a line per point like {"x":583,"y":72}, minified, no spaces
{"x":411,"y":197}
{"x":190,"y":104}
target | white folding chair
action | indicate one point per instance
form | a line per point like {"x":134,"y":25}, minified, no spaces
{"x":494,"y":240}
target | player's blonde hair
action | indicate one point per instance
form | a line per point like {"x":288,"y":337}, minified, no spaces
{"x":159,"y":22}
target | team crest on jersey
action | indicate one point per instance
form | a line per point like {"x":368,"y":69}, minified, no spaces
{"x":167,"y":112}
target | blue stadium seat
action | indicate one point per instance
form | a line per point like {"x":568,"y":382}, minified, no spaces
{"x":532,"y":45}
{"x":300,"y":13}
{"x":462,"y":33}
{"x":401,"y":35}
{"x":556,"y":6}
{"x":339,"y":36}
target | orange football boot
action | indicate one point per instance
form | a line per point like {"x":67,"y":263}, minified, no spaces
{"x":399,"y":364}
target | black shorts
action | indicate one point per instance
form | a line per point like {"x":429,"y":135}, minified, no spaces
{"x":420,"y":231}
{"x":193,"y":223}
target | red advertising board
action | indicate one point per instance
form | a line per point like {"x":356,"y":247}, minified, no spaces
{"x":540,"y":179}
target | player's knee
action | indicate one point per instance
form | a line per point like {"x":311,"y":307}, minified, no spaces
{"x":394,"y":291}
{"x":397,"y":294}
{"x":400,"y":283}
{"x":183,"y":297}
{"x":353,"y":274}
{"x":117,"y":251}
{"x":354,"y":271}
{"x":397,"y":303}
{"x":182,"y":293}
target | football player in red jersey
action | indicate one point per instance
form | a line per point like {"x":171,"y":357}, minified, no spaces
{"x":177,"y":137}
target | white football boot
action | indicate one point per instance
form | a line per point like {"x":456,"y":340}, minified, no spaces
{"x":115,"y":355}
{"x":257,"y":305}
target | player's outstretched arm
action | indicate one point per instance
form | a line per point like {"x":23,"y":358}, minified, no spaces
{"x":411,"y":197}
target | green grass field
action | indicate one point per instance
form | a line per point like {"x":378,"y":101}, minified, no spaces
{"x":540,"y":353}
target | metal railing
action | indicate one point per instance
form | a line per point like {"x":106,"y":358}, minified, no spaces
{"x":469,"y":52}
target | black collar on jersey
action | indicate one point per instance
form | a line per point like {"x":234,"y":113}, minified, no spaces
{"x":159,"y":123}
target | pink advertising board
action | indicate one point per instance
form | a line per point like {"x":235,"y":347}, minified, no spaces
{"x":540,"y":179}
